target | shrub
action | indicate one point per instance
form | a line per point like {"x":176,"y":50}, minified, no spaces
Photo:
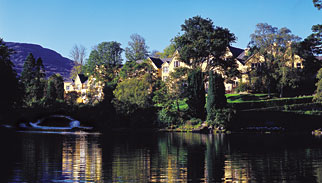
{"x":221,"y":117}
{"x":242,"y":87}
{"x":166,"y":117}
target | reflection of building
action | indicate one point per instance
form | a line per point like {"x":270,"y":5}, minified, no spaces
{"x":81,"y":160}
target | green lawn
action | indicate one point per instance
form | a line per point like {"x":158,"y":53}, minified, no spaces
{"x":243,"y":98}
{"x":239,"y":98}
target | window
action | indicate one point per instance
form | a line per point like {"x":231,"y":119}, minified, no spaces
{"x":298,"y":65}
{"x":67,"y":88}
{"x":165,"y":69}
{"x":176,"y":64}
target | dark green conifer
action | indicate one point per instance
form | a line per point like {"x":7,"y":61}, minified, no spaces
{"x":196,"y":94}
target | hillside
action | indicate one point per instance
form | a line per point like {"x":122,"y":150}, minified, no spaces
{"x":53,"y":61}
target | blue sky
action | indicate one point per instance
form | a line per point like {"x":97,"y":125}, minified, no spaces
{"x":59,"y":24}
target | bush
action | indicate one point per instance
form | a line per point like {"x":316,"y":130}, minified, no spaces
{"x":194,"y":121}
{"x":166,"y":117}
{"x":221,"y":117}
{"x":242,"y":87}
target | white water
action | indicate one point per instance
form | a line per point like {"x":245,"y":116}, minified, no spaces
{"x":73,"y":124}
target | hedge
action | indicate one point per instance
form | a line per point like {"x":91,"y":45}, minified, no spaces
{"x":270,"y":103}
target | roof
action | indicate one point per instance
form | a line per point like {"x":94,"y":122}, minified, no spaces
{"x":157,"y":62}
{"x":319,"y":58}
{"x":235,"y":51}
{"x":166,"y":60}
{"x":82,"y":78}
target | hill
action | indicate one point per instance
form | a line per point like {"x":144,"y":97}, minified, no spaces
{"x":53,"y":61}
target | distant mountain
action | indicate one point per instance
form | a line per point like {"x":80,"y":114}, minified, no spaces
{"x":53,"y":61}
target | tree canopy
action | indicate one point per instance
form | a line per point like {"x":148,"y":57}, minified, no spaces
{"x":275,"y":48}
{"x":137,"y":48}
{"x":33,"y":80}
{"x":105,"y":53}
{"x":8,"y":77}
{"x":202,"y":42}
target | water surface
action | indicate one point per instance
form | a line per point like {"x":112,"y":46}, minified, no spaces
{"x":160,"y":157}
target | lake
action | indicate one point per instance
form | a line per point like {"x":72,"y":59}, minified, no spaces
{"x":160,"y":157}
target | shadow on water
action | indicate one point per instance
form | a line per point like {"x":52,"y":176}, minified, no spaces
{"x":161,"y":157}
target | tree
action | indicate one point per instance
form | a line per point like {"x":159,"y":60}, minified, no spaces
{"x":78,"y":54}
{"x":308,"y":49}
{"x":196,"y":94}
{"x":107,"y":54}
{"x":55,"y":88}
{"x":133,"y":69}
{"x":9,"y":95}
{"x":201,"y":43}
{"x":317,"y":4}
{"x":33,"y":80}
{"x":137,"y":49}
{"x":133,"y":93}
{"x":216,"y":93}
{"x":177,"y":85}
{"x":318,"y":93}
{"x":275,"y":49}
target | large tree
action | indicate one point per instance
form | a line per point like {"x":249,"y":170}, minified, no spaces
{"x":137,"y":48}
{"x":9,"y":94}
{"x":202,"y":42}
{"x":275,"y":49}
{"x":78,"y":54}
{"x":105,"y":53}
{"x":33,"y":80}
{"x":308,"y":49}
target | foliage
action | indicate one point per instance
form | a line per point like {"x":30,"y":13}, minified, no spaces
{"x":307,"y":49}
{"x":132,"y":69}
{"x":201,"y":42}
{"x":9,"y":95}
{"x":137,"y":49}
{"x":318,"y":94}
{"x":317,"y":4}
{"x":133,"y":92}
{"x":71,"y":97}
{"x":216,"y":92}
{"x":242,"y":87}
{"x":166,"y":117}
{"x":33,"y":80}
{"x":177,"y":85}
{"x":107,"y":54}
{"x":55,"y":89}
{"x":276,"y":48}
{"x":76,"y":69}
{"x":221,"y":118}
{"x":196,"y":94}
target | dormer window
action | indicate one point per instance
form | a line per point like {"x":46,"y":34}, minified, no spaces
{"x":176,"y":64}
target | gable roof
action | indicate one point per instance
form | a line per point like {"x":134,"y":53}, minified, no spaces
{"x":235,"y":51}
{"x":157,"y":62}
{"x":82,"y":78}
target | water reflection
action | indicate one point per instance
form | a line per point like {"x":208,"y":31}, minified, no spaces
{"x":81,"y":160}
{"x":166,"y":157}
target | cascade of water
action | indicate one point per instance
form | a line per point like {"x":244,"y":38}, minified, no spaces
{"x":74,"y":124}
